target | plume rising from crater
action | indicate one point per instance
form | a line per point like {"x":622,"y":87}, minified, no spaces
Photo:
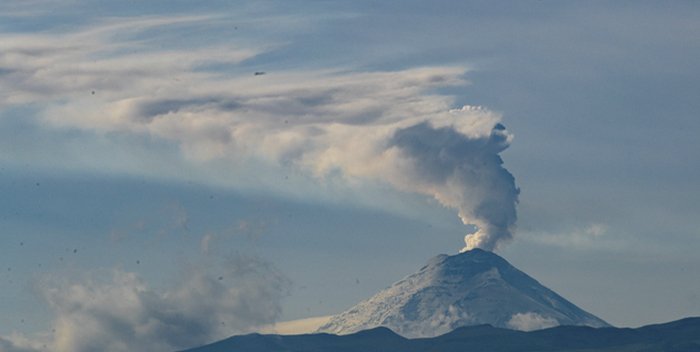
{"x":464,"y":173}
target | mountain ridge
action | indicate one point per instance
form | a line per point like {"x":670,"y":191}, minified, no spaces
{"x":676,"y":336}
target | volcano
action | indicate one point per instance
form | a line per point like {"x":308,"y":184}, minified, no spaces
{"x":471,"y":288}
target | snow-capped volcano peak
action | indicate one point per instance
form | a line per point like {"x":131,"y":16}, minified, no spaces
{"x":470,"y":288}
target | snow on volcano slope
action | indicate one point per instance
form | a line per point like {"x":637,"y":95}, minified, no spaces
{"x":470,"y":288}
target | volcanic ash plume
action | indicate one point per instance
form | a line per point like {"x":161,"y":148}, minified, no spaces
{"x":391,"y":126}
{"x":464,"y":173}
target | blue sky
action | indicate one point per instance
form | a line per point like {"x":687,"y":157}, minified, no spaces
{"x":139,"y":150}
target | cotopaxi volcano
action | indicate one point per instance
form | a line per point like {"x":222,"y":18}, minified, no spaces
{"x":471,"y":288}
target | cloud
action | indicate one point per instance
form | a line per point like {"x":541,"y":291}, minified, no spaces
{"x":121,"y":312}
{"x":387,"y":126}
{"x":108,"y":58}
{"x":19,"y":343}
{"x":170,"y":219}
{"x":594,"y":235}
{"x":252,"y":230}
{"x":530,"y":321}
{"x":296,"y":327}
{"x":205,"y":242}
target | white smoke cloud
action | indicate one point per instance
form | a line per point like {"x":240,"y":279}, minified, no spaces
{"x":531,"y":321}
{"x":390,"y":126}
{"x":464,"y":173}
{"x":123,"y":313}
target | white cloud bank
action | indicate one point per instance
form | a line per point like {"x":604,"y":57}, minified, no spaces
{"x":531,"y":321}
{"x":296,"y":327}
{"x":387,"y":126}
{"x":121,"y":312}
